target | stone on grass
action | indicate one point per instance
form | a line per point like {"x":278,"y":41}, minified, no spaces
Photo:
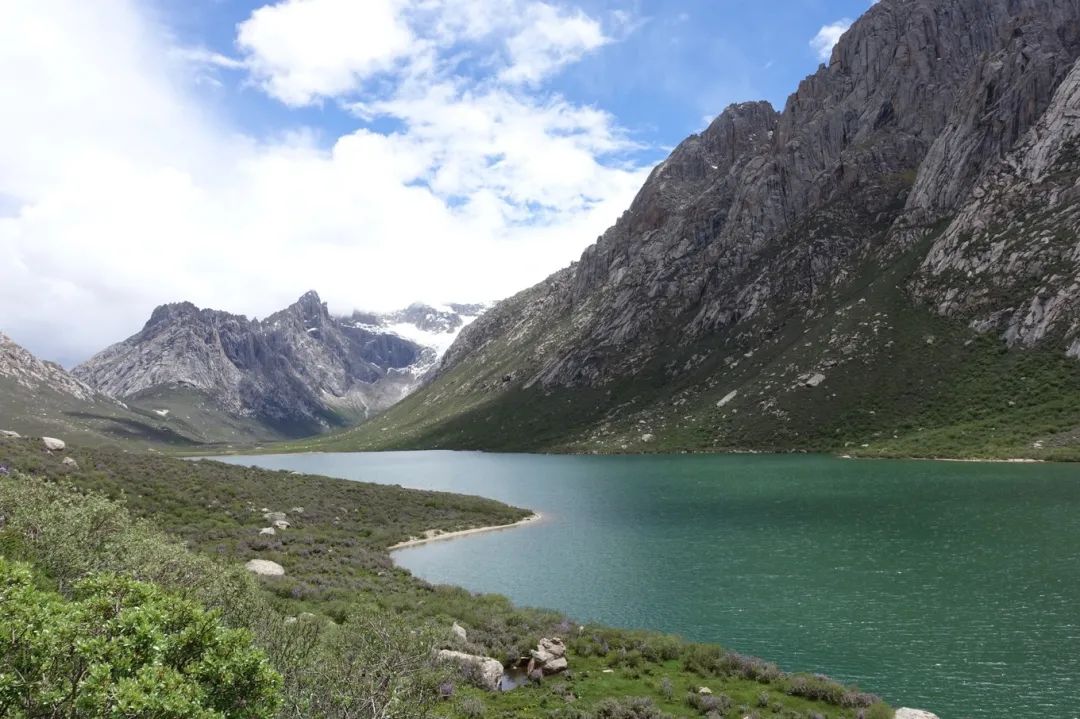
{"x":265,"y":568}
{"x":53,"y":444}
{"x":488,"y":671}
{"x":459,"y":632}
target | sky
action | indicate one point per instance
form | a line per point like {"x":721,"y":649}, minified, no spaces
{"x":237,"y":153}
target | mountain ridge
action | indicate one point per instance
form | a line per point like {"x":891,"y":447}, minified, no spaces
{"x":770,"y":226}
{"x":298,"y":371}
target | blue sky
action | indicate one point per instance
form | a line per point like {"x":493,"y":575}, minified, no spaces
{"x":676,"y":64}
{"x":237,"y":153}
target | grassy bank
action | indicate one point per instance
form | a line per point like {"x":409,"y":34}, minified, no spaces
{"x":189,"y":527}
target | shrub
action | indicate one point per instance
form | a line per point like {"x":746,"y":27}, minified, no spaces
{"x":627,"y":708}
{"x":471,"y":708}
{"x":708,"y":703}
{"x":123,"y":648}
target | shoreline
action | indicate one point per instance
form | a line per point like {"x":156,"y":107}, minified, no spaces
{"x":433,"y":535}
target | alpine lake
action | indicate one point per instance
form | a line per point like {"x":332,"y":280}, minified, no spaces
{"x":944,"y":585}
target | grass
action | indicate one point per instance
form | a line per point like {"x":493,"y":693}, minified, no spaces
{"x":338,"y":569}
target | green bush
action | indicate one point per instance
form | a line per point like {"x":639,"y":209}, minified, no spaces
{"x":121,"y":648}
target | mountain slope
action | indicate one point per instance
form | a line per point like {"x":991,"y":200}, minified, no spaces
{"x":41,"y":398}
{"x":300,"y":371}
{"x":846,"y":272}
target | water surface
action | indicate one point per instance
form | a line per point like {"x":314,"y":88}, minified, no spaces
{"x":951,"y":586}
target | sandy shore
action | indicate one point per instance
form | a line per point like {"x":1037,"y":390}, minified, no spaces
{"x":435,"y":535}
{"x":1017,"y":460}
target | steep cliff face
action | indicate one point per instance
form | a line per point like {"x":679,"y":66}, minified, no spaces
{"x":1010,"y":261}
{"x":750,"y":252}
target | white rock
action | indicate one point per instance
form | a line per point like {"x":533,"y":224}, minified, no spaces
{"x":459,"y":632}
{"x":815,"y":380}
{"x":905,"y":713}
{"x":53,"y":444}
{"x":727,"y":398}
{"x":704,"y":690}
{"x":70,"y":462}
{"x":265,"y":568}
{"x":281,"y":524}
{"x":269,"y":531}
{"x":648,"y":437}
{"x":298,"y":510}
{"x":489,"y":670}
{"x":274,"y":516}
{"x":555,"y":666}
{"x":8,"y":433}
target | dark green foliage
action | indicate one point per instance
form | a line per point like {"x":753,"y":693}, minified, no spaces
{"x":123,"y":648}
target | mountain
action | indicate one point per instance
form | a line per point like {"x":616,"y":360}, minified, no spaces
{"x":889,"y":265}
{"x":41,"y":398}
{"x":298,"y":372}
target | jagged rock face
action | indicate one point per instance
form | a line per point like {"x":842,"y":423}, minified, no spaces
{"x":765,"y":213}
{"x":299,"y":370}
{"x":33,"y":374}
{"x":1010,"y":261}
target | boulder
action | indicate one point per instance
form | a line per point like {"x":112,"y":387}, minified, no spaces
{"x":815,"y":380}
{"x":70,"y":462}
{"x":459,"y":632}
{"x":727,"y":398}
{"x":268,"y":531}
{"x":53,"y":444}
{"x":905,"y":713}
{"x":549,"y":657}
{"x":281,"y":524}
{"x":265,"y":568}
{"x":489,"y":671}
{"x":8,"y":433}
{"x":297,"y":510}
{"x":704,"y":690}
{"x":274,"y":516}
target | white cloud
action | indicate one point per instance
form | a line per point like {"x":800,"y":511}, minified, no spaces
{"x":827,"y":37}
{"x":549,"y":39}
{"x":119,"y":192}
{"x":300,"y":50}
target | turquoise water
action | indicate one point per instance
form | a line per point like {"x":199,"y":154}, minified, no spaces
{"x":954,"y":587}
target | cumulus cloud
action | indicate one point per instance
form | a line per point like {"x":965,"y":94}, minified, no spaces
{"x":827,"y":37}
{"x":119,"y":190}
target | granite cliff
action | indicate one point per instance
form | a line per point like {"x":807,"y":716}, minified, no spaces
{"x":828,"y":275}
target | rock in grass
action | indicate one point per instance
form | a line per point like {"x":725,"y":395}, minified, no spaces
{"x":70,"y":462}
{"x":267,"y":531}
{"x":459,"y":632}
{"x":9,"y":433}
{"x":488,"y":671}
{"x":265,"y":568}
{"x":53,"y":444}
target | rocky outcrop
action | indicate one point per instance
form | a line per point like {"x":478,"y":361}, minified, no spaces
{"x":298,"y":371}
{"x":487,"y":671}
{"x":1010,"y":261}
{"x":548,"y":658}
{"x":34,"y":374}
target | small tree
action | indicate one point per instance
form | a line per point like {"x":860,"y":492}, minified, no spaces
{"x":121,"y":648}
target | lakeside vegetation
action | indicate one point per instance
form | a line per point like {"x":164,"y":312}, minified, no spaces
{"x":349,"y":633}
